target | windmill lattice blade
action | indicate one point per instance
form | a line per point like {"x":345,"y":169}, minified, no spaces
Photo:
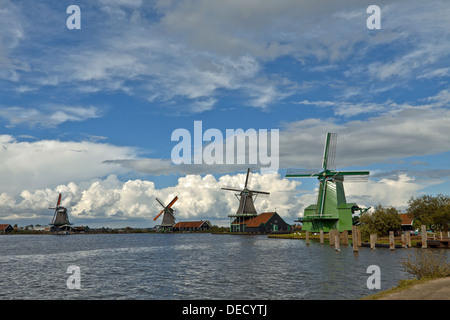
{"x":353,"y":173}
{"x":172,"y":202}
{"x":53,"y":219}
{"x":160,"y":202}
{"x":322,"y":197}
{"x":59,"y":200}
{"x":261,"y":192}
{"x":329,"y":153}
{"x":154,"y":219}
{"x":294,"y":172}
{"x":231,"y":189}
{"x":352,"y":178}
{"x":246,"y":178}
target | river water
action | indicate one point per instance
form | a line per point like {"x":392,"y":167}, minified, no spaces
{"x":189,"y":266}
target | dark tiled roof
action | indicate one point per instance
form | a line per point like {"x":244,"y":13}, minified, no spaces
{"x":259,"y":219}
{"x":189,"y":224}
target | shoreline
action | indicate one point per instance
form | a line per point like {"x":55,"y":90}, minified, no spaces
{"x":415,"y":289}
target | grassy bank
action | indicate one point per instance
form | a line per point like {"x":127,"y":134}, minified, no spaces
{"x":402,"y":285}
{"x":424,"y":265}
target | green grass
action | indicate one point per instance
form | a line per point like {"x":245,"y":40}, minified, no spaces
{"x":402,"y":285}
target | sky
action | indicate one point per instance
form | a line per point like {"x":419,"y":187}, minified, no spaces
{"x":92,"y":112}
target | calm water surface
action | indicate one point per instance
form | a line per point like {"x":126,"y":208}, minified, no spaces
{"x":189,"y":266}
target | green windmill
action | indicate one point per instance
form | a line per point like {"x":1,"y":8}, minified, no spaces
{"x":331,"y":210}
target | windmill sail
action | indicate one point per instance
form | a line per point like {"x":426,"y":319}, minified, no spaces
{"x":329,"y":153}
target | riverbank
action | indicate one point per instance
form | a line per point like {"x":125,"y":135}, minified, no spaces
{"x":424,"y":289}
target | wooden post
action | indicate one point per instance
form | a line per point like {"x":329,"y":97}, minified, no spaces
{"x":391,"y":240}
{"x":331,"y":236}
{"x":321,"y":236}
{"x":408,"y":239}
{"x":358,"y":231}
{"x":424,"y":236}
{"x":307,"y":238}
{"x":373,"y":240}
{"x":441,"y":235}
{"x":345,"y":237}
{"x":355,"y":239}
{"x":337,"y":241}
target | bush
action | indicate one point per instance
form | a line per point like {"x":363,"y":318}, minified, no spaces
{"x":427,"y":264}
{"x":381,"y":221}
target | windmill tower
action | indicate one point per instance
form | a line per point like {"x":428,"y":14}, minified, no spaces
{"x":246,"y":208}
{"x":169,"y":215}
{"x":331,"y":210}
{"x":60,"y":221}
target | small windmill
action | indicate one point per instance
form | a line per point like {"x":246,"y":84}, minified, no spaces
{"x":60,"y":221}
{"x":246,"y":208}
{"x":169,"y":215}
{"x":331,"y":210}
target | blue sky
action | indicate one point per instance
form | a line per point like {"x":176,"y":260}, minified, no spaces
{"x":90,"y":112}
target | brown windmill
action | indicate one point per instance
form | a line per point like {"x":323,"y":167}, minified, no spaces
{"x":169,"y":215}
{"x":246,"y":208}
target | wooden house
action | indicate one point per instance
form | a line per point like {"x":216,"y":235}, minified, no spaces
{"x":407,"y":222}
{"x":6,"y":228}
{"x":267,"y":222}
{"x":189,"y":226}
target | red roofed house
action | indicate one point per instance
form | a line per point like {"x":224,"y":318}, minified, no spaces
{"x":5,"y":228}
{"x":192,"y":226}
{"x":266,"y":222}
{"x":407,"y":222}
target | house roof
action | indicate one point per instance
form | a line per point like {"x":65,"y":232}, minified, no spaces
{"x":406,"y":219}
{"x":4,"y":226}
{"x":189,"y":224}
{"x":259,"y":219}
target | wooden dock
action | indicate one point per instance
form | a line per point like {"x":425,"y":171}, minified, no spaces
{"x":440,"y":244}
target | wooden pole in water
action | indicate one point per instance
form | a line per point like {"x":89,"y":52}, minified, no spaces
{"x":358,"y":231}
{"x":408,"y":239}
{"x":391,"y":240}
{"x":355,"y":239}
{"x":331,"y":236}
{"x":424,"y":236}
{"x":321,"y":236}
{"x":307,"y":238}
{"x":337,"y":242}
{"x":373,"y":240}
{"x":345,"y":237}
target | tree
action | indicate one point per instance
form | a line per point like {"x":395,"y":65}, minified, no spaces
{"x":432,"y":211}
{"x":381,"y":221}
